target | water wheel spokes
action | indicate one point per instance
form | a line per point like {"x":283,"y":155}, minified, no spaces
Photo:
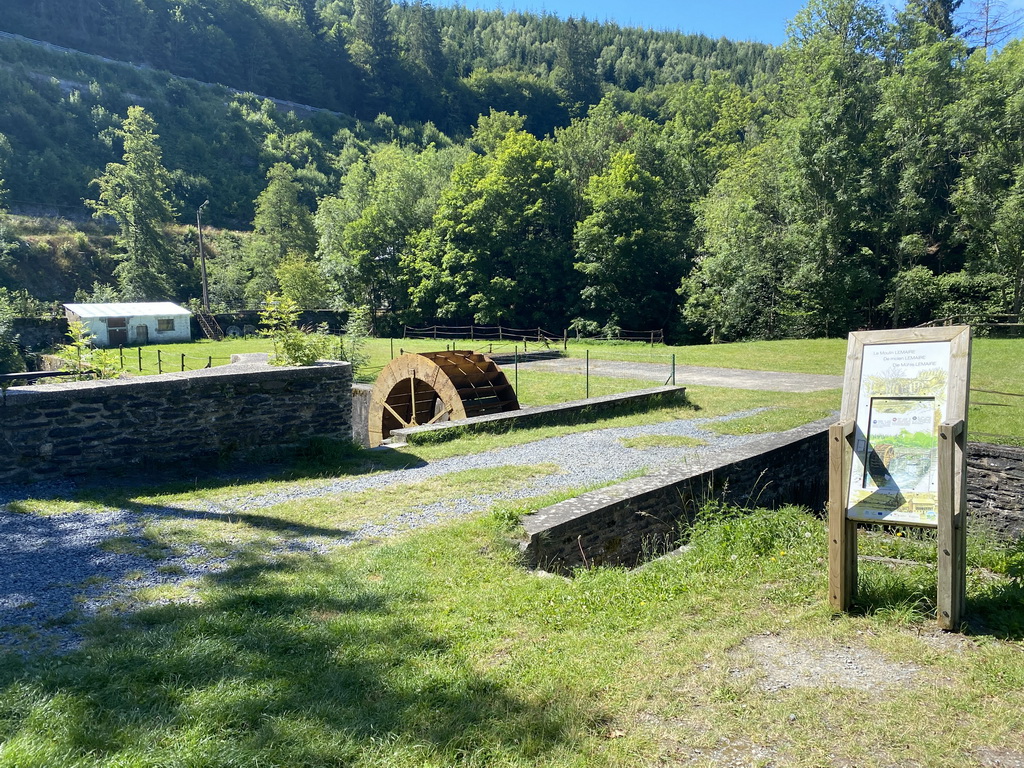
{"x":428,"y":387}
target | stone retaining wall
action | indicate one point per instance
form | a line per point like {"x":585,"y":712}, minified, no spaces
{"x":640,"y":518}
{"x":574,"y":412}
{"x":158,"y":422}
{"x":995,"y":488}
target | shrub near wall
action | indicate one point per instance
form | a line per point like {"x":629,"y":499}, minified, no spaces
{"x":158,"y":422}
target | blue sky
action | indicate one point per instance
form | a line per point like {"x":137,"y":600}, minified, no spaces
{"x":761,"y":20}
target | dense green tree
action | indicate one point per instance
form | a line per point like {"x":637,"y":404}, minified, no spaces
{"x":282,"y":228}
{"x":386,"y":198}
{"x":303,"y":282}
{"x":625,"y":248}
{"x":10,"y":357}
{"x":498,"y":249}
{"x":989,"y":196}
{"x":575,"y":74}
{"x":743,"y":282}
{"x":135,"y":192}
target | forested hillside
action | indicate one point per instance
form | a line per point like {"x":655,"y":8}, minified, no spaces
{"x":525,"y":169}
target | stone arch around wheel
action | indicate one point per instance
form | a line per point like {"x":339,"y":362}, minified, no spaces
{"x":427,"y":387}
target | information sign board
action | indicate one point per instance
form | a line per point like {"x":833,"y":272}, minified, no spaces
{"x":901,"y":402}
{"x":898,"y":454}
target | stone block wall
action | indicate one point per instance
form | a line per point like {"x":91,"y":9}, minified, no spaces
{"x":632,"y":521}
{"x":995,"y":488}
{"x":573,"y":412}
{"x":35,"y":334}
{"x":641,"y":518}
{"x":158,"y":422}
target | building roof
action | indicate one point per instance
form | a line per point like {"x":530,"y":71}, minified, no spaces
{"x":132,"y":309}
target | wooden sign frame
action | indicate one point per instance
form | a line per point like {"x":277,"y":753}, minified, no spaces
{"x":908,"y":387}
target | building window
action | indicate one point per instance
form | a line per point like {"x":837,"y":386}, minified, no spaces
{"x":164,"y":325}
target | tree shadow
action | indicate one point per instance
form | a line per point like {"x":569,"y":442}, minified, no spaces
{"x":994,"y":607}
{"x":291,"y":662}
{"x":117,"y":490}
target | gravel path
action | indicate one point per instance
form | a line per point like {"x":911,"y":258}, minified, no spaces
{"x":58,"y":570}
{"x":693,"y":375}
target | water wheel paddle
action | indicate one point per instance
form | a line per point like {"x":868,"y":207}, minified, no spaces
{"x":428,"y":387}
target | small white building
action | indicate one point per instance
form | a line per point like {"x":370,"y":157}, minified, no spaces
{"x":157,"y":322}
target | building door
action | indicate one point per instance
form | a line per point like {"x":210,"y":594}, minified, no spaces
{"x":142,"y":334}
{"x":117,"y":331}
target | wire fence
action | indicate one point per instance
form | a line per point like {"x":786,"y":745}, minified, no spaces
{"x":539,"y":335}
{"x":143,"y":360}
{"x":1016,"y":404}
{"x":1001,"y":322}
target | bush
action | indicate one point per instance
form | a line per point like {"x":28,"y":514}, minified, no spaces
{"x":292,"y":345}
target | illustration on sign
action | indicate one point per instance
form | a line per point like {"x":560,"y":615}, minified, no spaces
{"x":902,"y":401}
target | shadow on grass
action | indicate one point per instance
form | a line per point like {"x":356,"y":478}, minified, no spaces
{"x":318,"y":459}
{"x":299,"y":662}
{"x":995,"y":607}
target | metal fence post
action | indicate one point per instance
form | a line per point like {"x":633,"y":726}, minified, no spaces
{"x":159,"y":362}
{"x":673,"y":369}
{"x":588,"y":373}
{"x":182,"y":361}
{"x":516,"y":359}
{"x":140,"y":359}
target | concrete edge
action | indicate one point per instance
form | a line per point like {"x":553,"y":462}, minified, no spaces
{"x":564,"y":511}
{"x":541,"y":413}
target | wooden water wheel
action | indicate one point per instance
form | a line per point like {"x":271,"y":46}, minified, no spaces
{"x":428,"y":387}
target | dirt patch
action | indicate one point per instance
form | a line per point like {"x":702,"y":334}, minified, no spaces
{"x":791,"y":663}
{"x":673,"y":733}
{"x":988,"y":757}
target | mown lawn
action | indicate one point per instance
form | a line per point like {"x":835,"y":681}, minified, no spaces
{"x":436,"y":649}
{"x":996,"y":415}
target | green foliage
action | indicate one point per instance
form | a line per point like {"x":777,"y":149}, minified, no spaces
{"x":624,"y":248}
{"x":10,"y":357}
{"x":840,"y":181}
{"x":499,"y":246}
{"x":80,"y":356}
{"x":136,"y":194}
{"x":303,"y":282}
{"x":386,"y":198}
{"x":292,"y":345}
{"x":358,"y":331}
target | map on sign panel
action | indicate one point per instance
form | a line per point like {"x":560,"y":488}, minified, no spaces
{"x":894,"y":477}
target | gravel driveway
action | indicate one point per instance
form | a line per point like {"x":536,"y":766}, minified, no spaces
{"x":692,"y":375}
{"x":56,"y":570}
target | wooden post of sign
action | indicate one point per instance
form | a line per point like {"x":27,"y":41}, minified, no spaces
{"x":918,"y":379}
{"x":842,"y":533}
{"x":952,"y":529}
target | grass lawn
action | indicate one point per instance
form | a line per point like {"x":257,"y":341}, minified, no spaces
{"x":435,"y":649}
{"x":997,"y":366}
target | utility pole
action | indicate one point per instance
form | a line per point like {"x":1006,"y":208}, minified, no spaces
{"x":202,"y":255}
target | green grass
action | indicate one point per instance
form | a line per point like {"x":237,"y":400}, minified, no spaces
{"x":996,"y":365}
{"x":437,"y":650}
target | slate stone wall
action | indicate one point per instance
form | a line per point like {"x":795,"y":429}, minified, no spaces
{"x":995,"y":488}
{"x":35,"y":334}
{"x":641,"y":518}
{"x":574,"y":412}
{"x":158,"y":422}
